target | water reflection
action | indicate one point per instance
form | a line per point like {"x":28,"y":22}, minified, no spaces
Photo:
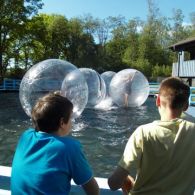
{"x":103,"y":133}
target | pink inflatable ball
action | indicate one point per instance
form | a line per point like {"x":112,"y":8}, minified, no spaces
{"x":96,"y":86}
{"x":74,"y":87}
{"x":107,"y":77}
{"x":129,"y":88}
{"x":42,"y":78}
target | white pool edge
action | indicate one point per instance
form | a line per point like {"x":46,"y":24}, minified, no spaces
{"x":5,"y":174}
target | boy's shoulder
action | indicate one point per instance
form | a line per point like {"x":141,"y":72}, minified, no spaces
{"x":69,"y":140}
{"x":147,"y":126}
{"x":42,"y":135}
{"x":158,"y":126}
{"x":153,"y":128}
{"x":186,"y":116}
{"x":28,"y":131}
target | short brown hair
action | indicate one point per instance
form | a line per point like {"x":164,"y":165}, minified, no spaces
{"x":175,"y":91}
{"x":49,"y":110}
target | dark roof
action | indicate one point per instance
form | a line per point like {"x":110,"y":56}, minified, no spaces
{"x":185,"y":45}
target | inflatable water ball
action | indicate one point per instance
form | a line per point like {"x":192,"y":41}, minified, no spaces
{"x":96,"y":86}
{"x":129,"y":88}
{"x":102,"y":87}
{"x":74,"y":87}
{"x":107,"y":77}
{"x":42,"y":78}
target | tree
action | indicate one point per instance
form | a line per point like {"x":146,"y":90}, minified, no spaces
{"x":115,"y":50}
{"x":13,"y":16}
{"x":111,"y":32}
{"x":132,"y":37}
{"x":89,"y":24}
{"x":152,"y":41}
{"x":76,"y":30}
{"x":192,"y":19}
{"x":81,"y":49}
{"x":47,"y":38}
{"x":178,"y":30}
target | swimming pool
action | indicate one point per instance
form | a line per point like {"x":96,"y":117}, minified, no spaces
{"x":103,"y":133}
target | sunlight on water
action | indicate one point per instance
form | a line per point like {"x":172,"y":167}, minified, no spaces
{"x":102,"y":131}
{"x":105,"y":104}
{"x":78,"y":126}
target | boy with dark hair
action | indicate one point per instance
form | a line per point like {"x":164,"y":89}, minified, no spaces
{"x":162,"y":152}
{"x":46,"y":159}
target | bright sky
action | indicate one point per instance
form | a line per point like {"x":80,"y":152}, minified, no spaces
{"x":104,"y":8}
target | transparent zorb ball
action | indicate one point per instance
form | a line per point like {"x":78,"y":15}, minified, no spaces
{"x":96,"y":86}
{"x":129,"y":88}
{"x":107,"y":77}
{"x":42,"y":78}
{"x":74,"y":87}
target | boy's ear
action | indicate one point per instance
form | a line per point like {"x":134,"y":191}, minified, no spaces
{"x":61,"y":122}
{"x":158,"y":101}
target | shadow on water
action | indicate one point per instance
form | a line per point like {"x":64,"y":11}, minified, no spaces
{"x":103,"y":134}
{"x":13,"y":121}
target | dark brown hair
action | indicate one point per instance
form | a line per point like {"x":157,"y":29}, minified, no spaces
{"x":175,"y":91}
{"x":49,"y":110}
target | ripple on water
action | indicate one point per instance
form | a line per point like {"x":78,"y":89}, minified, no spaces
{"x":103,"y":133}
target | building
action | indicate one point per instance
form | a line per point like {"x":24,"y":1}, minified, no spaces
{"x":182,"y":68}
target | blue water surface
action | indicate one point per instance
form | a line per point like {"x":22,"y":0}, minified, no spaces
{"x":103,"y":133}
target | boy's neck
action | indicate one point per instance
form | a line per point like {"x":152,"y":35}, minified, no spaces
{"x":168,"y":114}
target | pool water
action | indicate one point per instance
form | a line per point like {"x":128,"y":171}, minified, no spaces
{"x":103,"y":133}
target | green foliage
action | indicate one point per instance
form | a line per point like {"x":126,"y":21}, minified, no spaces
{"x":51,"y":34}
{"x":81,"y":49}
{"x":131,"y":53}
{"x":115,"y":50}
{"x":164,"y":71}
{"x":143,"y":66}
{"x":103,"y":44}
{"x":14,"y":15}
{"x":15,"y":73}
{"x":179,"y":32}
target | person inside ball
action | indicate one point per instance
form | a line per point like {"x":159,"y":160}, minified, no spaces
{"x":127,"y":88}
{"x":46,"y":158}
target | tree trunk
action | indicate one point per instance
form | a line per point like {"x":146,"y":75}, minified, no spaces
{"x":1,"y":56}
{"x":1,"y":67}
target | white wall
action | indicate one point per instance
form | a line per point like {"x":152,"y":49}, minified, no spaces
{"x":5,"y":173}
